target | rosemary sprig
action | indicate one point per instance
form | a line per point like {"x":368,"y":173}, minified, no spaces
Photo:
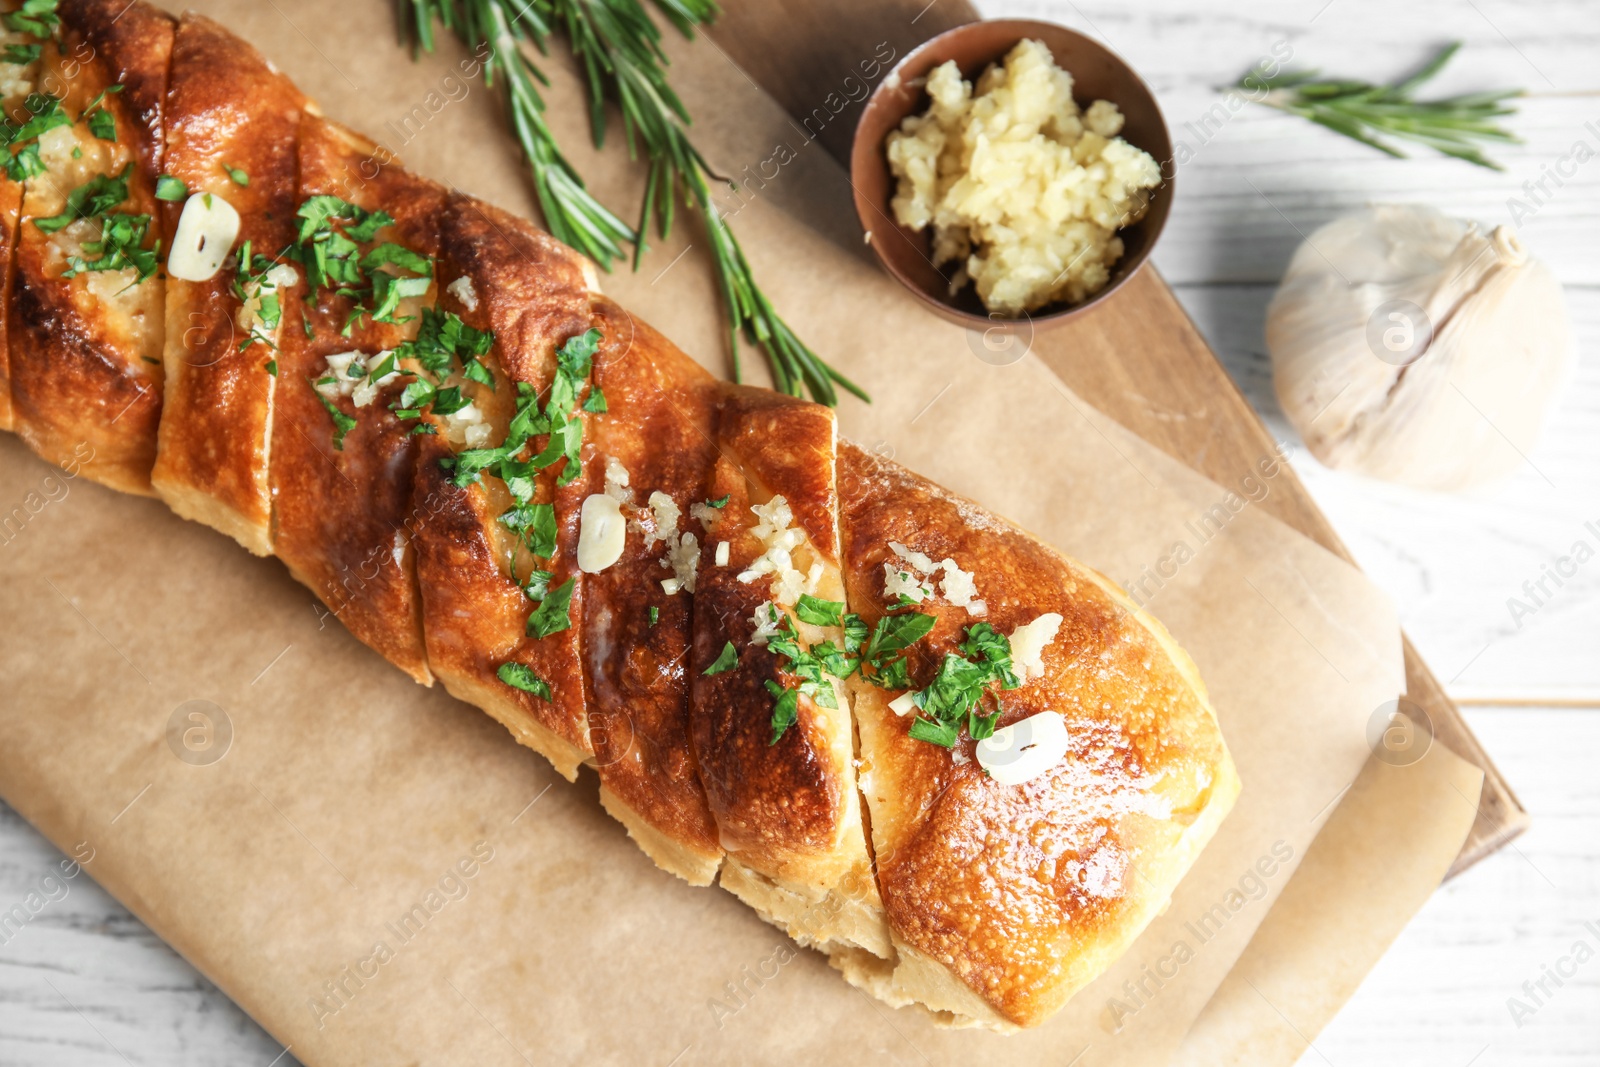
{"x":573,"y":215}
{"x":1365,"y":112}
{"x":619,"y":47}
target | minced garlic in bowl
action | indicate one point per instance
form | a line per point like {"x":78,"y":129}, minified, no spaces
{"x":1020,"y":183}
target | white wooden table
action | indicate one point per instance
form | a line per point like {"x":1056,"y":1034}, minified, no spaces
{"x":87,"y":984}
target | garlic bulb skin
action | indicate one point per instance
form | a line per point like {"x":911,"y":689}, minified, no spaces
{"x":1414,"y":348}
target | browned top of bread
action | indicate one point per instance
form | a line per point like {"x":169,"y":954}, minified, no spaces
{"x":532,"y":293}
{"x":1025,"y":892}
{"x":227,"y":106}
{"x":342,"y":513}
{"x":86,"y":373}
{"x":535,"y":290}
{"x":785,"y":807}
{"x":658,"y":427}
{"x":785,"y":446}
{"x":134,"y":42}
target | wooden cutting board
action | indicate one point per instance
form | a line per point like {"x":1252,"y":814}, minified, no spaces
{"x":1137,"y":357}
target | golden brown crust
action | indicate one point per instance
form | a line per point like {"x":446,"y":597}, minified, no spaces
{"x":10,"y":216}
{"x":12,"y":97}
{"x":659,"y":427}
{"x":1024,"y":893}
{"x":227,"y":106}
{"x":774,"y":802}
{"x":788,"y":811}
{"x":534,"y":288}
{"x":134,"y":41}
{"x":85,"y":350}
{"x":340,"y":513}
{"x":532,"y":294}
{"x":786,"y":445}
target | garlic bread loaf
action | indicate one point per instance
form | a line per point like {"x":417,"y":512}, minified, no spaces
{"x":914,"y":737}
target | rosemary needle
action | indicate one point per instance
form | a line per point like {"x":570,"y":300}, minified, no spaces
{"x":1361,"y":111}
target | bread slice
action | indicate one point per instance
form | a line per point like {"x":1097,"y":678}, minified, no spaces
{"x":85,"y":362}
{"x":17,"y":83}
{"x":533,"y":293}
{"x":657,"y":434}
{"x":788,"y":809}
{"x":342,"y":511}
{"x":227,"y":108}
{"x":1007,"y":899}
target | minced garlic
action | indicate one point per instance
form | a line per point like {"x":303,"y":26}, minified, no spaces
{"x":779,"y":541}
{"x":913,"y":577}
{"x":1019,"y":184}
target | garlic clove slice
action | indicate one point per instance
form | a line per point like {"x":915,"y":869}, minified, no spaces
{"x":1024,"y":750}
{"x":602,"y":532}
{"x":205,"y":235}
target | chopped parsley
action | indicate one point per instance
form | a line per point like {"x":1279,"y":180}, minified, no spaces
{"x":953,"y":700}
{"x":93,"y":198}
{"x":45,"y":113}
{"x":250,"y":282}
{"x":553,"y":613}
{"x":342,"y":423}
{"x":537,"y":585}
{"x":237,"y":176}
{"x":727,"y":661}
{"x":444,"y":340}
{"x":815,"y":667}
{"x":20,"y":54}
{"x":328,"y":245}
{"x":272,"y":367}
{"x":558,"y":419}
{"x":520,"y":676}
{"x":819,"y":612}
{"x":955,"y":696}
{"x":444,"y":343}
{"x":878,"y":653}
{"x":655,"y":615}
{"x":101,"y":122}
{"x":535,"y":525}
{"x":785,"y":710}
{"x":121,"y":242}
{"x":720,"y":502}
{"x":935,"y":733}
{"x":596,"y":404}
{"x":882,"y":666}
{"x":120,"y":247}
{"x":36,"y":18}
{"x":170,"y":188}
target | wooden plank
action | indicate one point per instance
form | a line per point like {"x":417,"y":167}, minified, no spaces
{"x":1138,"y":358}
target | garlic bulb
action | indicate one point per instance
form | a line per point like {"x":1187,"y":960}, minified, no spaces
{"x":1412,"y":347}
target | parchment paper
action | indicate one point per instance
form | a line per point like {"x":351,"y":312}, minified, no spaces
{"x":380,"y":875}
{"x":1400,"y":827}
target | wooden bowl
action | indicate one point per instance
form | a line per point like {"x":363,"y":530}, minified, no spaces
{"x":1097,"y":74}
